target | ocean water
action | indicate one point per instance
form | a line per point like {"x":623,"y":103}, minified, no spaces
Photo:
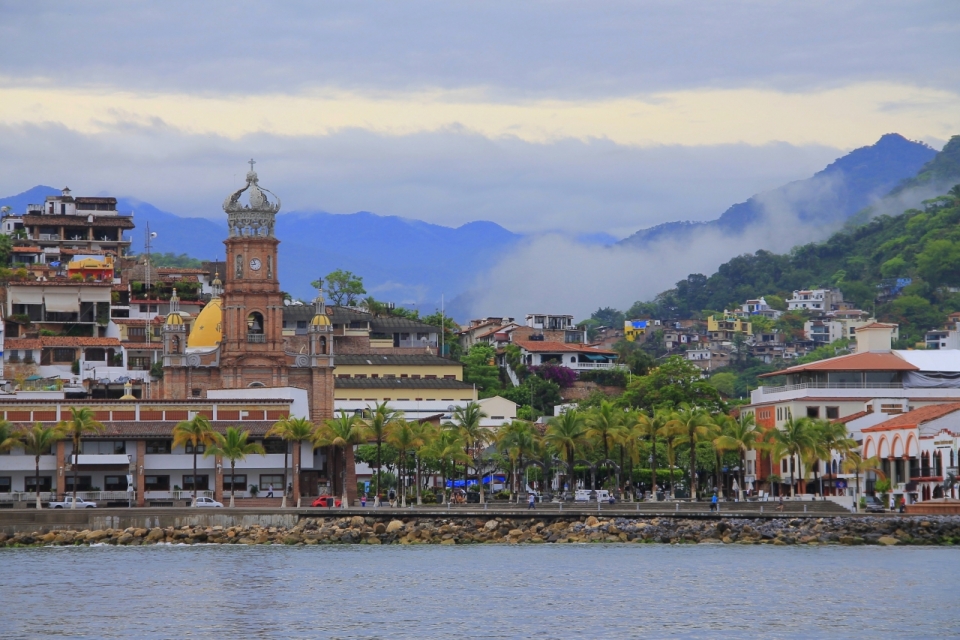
{"x":479,"y":591}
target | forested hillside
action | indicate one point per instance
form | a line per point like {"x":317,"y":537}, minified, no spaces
{"x":922,"y":245}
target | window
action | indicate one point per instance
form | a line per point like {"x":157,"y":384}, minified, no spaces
{"x":189,"y":448}
{"x":158,"y":446}
{"x":274,"y":445}
{"x":275,"y":480}
{"x":813,"y":412}
{"x":115,"y":483}
{"x":301,"y":324}
{"x":196,"y":393}
{"x":156,"y":483}
{"x":833,"y":413}
{"x":202,"y":483}
{"x":236,"y":483}
{"x":61,"y":354}
{"x":6,"y":484}
{"x":84,"y":483}
{"x":136,"y":332}
{"x":30,"y":483}
{"x":102,"y":447}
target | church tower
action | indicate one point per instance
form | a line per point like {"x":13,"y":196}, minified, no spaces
{"x":252,"y":345}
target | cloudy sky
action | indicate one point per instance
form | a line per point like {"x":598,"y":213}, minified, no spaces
{"x":573,"y":117}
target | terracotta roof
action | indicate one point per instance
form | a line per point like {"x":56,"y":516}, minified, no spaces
{"x":877,"y":325}
{"x":400,"y":384}
{"x":415,"y":360}
{"x":143,"y":346}
{"x":164,"y":428}
{"x":868,"y":361}
{"x":544,"y":346}
{"x":61,"y":282}
{"x":183,"y":270}
{"x":913,"y":419}
{"x":27,"y":250}
{"x":137,"y":321}
{"x":46,"y":220}
{"x":850,"y":418}
{"x":22,"y":343}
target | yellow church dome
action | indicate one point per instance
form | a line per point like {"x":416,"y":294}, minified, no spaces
{"x":174,"y":318}
{"x":320,"y":320}
{"x":207,"y":331}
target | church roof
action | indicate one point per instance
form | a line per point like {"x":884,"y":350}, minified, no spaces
{"x":400,"y":383}
{"x":207,"y":329}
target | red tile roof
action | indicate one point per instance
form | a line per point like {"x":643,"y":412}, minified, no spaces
{"x":137,"y":321}
{"x":868,"y":361}
{"x":60,"y":341}
{"x":877,"y":325}
{"x":850,"y":418}
{"x":913,"y":419}
{"x":543,"y":346}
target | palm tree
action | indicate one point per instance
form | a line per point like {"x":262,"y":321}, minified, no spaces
{"x":854,"y":461}
{"x":670,"y":434}
{"x":795,"y":439}
{"x":466,"y":419}
{"x":695,"y":425}
{"x":37,"y":441}
{"x":233,"y":446}
{"x":8,"y":436}
{"x":404,"y":438}
{"x":650,"y":426}
{"x":341,"y":432}
{"x":831,"y":436}
{"x":81,"y":421}
{"x":741,"y":435}
{"x":604,"y":426}
{"x":517,"y":440}
{"x":447,"y":448}
{"x":381,"y":419}
{"x":566,"y":433}
{"x":197,"y":432}
{"x":425,"y":433}
{"x":294,"y":430}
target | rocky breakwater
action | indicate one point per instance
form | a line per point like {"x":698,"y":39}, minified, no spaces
{"x":944,"y":530}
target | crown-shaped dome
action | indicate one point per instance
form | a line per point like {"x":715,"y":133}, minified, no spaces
{"x":256,"y":218}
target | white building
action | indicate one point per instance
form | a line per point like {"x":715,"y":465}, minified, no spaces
{"x":822,"y":300}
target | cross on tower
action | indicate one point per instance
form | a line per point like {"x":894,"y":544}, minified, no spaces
{"x":251,"y":163}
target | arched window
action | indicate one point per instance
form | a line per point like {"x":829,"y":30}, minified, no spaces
{"x":323,"y":344}
{"x":256,"y":385}
{"x":255,"y":327}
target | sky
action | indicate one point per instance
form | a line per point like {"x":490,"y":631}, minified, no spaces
{"x":545,"y":117}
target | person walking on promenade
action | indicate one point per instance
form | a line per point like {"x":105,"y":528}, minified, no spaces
{"x":714,"y":504}
{"x":270,"y":491}
{"x":531,"y":501}
{"x":363,"y":500}
{"x":780,"y":508}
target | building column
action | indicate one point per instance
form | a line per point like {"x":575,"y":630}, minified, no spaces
{"x":350,"y":475}
{"x":61,"y":468}
{"x":297,"y":452}
{"x":141,"y":468}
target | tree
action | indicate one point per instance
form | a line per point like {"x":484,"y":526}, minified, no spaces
{"x":402,"y":435}
{"x":674,"y":383}
{"x":447,"y":448}
{"x":81,"y":422}
{"x":343,"y":287}
{"x":7,"y":436}
{"x":466,"y":419}
{"x":724,"y":382}
{"x":670,"y":433}
{"x":377,"y":427}
{"x":566,"y":433}
{"x":233,"y":446}
{"x":294,"y":430}
{"x":795,"y":439}
{"x":695,"y":425}
{"x":37,"y":441}
{"x":604,"y":425}
{"x":740,"y":435}
{"x":854,"y":461}
{"x":197,"y":432}
{"x":479,"y":368}
{"x":341,"y":432}
{"x":517,"y":440}
{"x":650,"y":425}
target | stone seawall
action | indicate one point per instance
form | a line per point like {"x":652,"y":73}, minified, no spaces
{"x":930,"y":530}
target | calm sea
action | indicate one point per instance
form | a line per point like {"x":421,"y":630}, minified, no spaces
{"x":544,"y":591}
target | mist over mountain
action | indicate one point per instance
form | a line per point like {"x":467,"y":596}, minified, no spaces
{"x":826,"y":199}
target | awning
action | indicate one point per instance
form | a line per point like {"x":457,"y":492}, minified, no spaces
{"x":110,"y":459}
{"x":62,"y":301}
{"x":26,"y":295}
{"x":590,"y":356}
{"x":95,"y":294}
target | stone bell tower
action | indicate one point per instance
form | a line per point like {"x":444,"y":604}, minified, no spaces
{"x":252,"y":345}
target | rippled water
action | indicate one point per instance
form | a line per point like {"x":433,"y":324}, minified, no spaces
{"x":544,"y":591}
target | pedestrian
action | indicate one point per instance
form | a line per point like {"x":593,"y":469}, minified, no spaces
{"x":780,"y":499}
{"x":270,"y":491}
{"x":376,"y":500}
{"x":363,"y":500}
{"x":713,"y":503}
{"x":531,"y":501}
{"x":903,"y":504}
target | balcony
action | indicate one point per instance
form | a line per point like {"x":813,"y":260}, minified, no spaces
{"x":832,"y":385}
{"x":256,"y":338}
{"x":583,"y":366}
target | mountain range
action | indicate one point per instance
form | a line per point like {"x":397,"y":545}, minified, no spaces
{"x":413,"y":262}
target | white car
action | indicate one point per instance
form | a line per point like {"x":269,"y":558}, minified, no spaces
{"x":67,"y":503}
{"x":207,"y":502}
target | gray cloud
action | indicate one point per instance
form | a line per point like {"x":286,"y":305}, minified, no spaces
{"x":449,"y":177}
{"x":537,"y":48}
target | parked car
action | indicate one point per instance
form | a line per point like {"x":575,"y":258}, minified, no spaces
{"x":207,"y":502}
{"x":67,"y":503}
{"x":326,"y":501}
{"x":873,"y":504}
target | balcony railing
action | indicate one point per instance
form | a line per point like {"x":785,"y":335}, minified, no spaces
{"x":595,"y":365}
{"x":833,"y":385}
{"x":257,"y":337}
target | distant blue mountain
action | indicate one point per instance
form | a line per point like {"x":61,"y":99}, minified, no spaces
{"x":831,"y":196}
{"x":409,"y":262}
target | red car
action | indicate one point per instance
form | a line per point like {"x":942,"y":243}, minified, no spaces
{"x":324,"y":501}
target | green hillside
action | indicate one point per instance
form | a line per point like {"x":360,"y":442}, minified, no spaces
{"x":923,"y":245}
